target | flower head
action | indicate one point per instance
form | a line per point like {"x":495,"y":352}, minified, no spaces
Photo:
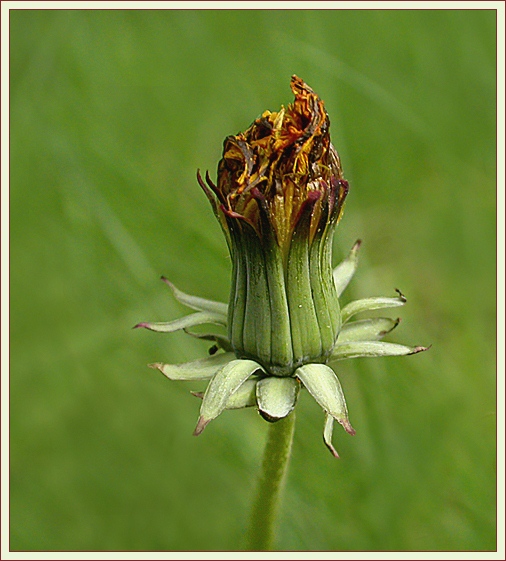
{"x":279,"y":196}
{"x":283,"y":170}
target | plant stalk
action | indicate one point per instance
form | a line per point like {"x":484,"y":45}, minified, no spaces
{"x":268,"y":495}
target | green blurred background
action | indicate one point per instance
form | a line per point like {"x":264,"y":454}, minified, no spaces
{"x":111,"y":113}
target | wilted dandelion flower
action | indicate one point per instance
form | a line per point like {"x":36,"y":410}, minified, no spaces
{"x":279,"y":196}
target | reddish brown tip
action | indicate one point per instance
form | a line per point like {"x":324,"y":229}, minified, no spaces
{"x":156,"y":366}
{"x":348,"y":428}
{"x":167,"y":281}
{"x":417,"y":350}
{"x":201,"y":425}
{"x":333,"y":451}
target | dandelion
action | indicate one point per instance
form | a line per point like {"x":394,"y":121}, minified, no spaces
{"x":279,"y":196}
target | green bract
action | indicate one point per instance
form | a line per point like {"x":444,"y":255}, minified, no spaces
{"x":279,"y":196}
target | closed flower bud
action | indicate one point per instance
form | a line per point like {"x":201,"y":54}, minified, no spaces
{"x":279,"y":196}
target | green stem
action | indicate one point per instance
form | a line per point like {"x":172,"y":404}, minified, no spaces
{"x":275,"y":463}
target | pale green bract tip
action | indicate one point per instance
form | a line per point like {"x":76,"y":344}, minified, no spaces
{"x":344,"y":272}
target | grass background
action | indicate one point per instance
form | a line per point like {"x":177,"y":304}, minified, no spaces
{"x":111,"y":114}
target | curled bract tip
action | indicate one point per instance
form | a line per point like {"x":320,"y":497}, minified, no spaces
{"x":401,"y":295}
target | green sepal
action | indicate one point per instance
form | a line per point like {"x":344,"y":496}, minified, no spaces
{"x":372,"y":349}
{"x":306,"y":338}
{"x":372,"y":329}
{"x":197,"y":303}
{"x":281,"y":336}
{"x":369,"y":304}
{"x":245,"y":396}
{"x":276,"y":397}
{"x":257,"y":314}
{"x":325,"y":298}
{"x":238,"y":289}
{"x":201,"y":369}
{"x":226,"y":381}
{"x":322,"y":383}
{"x":333,"y":304}
{"x":344,"y":272}
{"x":198,"y":318}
